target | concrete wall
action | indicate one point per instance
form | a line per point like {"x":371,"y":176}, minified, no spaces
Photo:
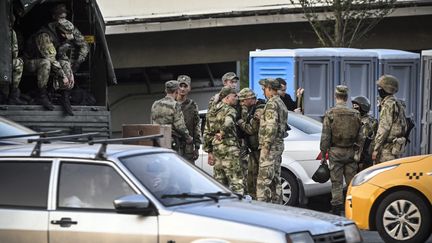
{"x":234,"y":43}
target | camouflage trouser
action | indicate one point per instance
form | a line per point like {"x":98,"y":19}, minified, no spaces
{"x":253,"y":165}
{"x":227,"y":169}
{"x":244,"y":163}
{"x":187,"y":152}
{"x":269,"y":188}
{"x":385,"y":154}
{"x":43,"y":68}
{"x":339,"y":170}
{"x":17,"y":71}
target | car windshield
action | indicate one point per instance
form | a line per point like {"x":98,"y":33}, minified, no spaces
{"x":304,"y":123}
{"x":9,"y":128}
{"x":172,"y":180}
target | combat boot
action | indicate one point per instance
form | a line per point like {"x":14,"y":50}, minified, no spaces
{"x":14,"y":97}
{"x":337,"y":209}
{"x":65,"y":102}
{"x":44,"y":100}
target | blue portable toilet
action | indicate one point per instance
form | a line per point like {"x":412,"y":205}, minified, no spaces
{"x":318,"y":71}
{"x":426,"y":120}
{"x":405,"y":66}
{"x":310,"y":69}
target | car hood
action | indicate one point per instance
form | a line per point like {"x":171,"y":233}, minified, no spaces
{"x":277,"y":217}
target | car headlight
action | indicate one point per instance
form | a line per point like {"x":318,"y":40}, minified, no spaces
{"x":301,"y":237}
{"x":368,"y":174}
{"x":352,"y":234}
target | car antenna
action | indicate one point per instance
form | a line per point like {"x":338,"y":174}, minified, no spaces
{"x":42,"y":134}
{"x":37,"y":148}
{"x":101,"y":154}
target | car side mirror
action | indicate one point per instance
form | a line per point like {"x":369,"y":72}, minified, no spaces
{"x":132,"y":204}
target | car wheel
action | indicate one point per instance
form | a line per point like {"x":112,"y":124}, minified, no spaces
{"x":290,"y":189}
{"x":403,"y":216}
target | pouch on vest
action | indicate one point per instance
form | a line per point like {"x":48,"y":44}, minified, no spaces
{"x":345,"y":128}
{"x":398,"y":146}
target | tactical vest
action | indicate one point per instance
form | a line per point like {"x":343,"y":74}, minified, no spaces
{"x":31,"y":50}
{"x":345,"y":125}
{"x":252,"y":140}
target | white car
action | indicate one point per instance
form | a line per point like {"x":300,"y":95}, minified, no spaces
{"x":300,"y":160}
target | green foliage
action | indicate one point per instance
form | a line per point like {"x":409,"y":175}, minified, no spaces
{"x":341,"y":23}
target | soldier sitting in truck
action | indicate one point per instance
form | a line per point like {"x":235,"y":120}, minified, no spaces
{"x":9,"y":92}
{"x":47,"y":53}
{"x":78,"y":47}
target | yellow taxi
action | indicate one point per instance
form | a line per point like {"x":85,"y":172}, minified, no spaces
{"x":394,"y":198}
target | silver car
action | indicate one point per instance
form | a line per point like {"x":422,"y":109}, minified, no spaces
{"x":126,"y":193}
{"x":300,"y":159}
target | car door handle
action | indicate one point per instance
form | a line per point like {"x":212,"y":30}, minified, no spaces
{"x":64,"y":222}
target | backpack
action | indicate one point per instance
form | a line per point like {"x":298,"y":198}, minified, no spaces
{"x":406,"y":122}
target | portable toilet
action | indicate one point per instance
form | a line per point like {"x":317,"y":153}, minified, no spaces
{"x":426,"y":121}
{"x":310,"y":69}
{"x":405,"y":66}
{"x":356,"y":69}
{"x":318,"y":71}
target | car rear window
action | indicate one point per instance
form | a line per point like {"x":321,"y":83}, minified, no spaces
{"x":24,"y":184}
{"x":304,"y":123}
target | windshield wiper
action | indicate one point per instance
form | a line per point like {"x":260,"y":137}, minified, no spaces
{"x":214,"y":195}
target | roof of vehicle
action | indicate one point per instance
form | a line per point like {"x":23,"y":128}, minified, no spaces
{"x":77,"y":150}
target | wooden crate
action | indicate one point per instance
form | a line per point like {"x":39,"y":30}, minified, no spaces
{"x":134,"y":130}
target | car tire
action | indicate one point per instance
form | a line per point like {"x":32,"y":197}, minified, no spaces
{"x":403,"y":216}
{"x":290,"y":188}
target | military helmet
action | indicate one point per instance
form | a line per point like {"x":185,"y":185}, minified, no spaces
{"x":322,"y":174}
{"x":363,"y":102}
{"x":66,"y":27}
{"x":389,"y":83}
{"x":246,"y":93}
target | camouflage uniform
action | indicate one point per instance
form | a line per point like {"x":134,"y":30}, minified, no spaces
{"x":192,"y":120}
{"x":369,"y":127}
{"x":227,"y":168}
{"x":391,"y":127}
{"x":167,"y":111}
{"x":208,"y":135}
{"x":390,"y":140}
{"x":250,"y":123}
{"x":76,"y":50}
{"x":272,"y":128}
{"x":340,"y":133}
{"x":46,"y":53}
{"x":17,"y":62}
{"x":11,"y":90}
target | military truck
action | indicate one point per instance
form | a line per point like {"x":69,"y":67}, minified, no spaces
{"x":89,"y":97}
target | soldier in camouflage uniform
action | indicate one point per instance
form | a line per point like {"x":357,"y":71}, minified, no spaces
{"x":369,"y":126}
{"x":249,"y":123}
{"x":191,"y":118}
{"x":340,"y":133}
{"x":17,"y":69}
{"x":272,"y":130}
{"x":390,"y":138}
{"x":226,"y":147}
{"x":77,"y":49}
{"x":229,"y":79}
{"x":46,"y":54}
{"x":166,"y":111}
